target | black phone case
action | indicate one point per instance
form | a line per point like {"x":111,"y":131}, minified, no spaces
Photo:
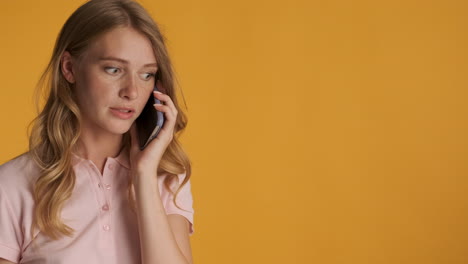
{"x":150,"y":121}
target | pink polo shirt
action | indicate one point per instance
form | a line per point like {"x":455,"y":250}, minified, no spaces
{"x":106,"y":229}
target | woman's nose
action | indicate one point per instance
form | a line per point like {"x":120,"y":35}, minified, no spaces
{"x":129,"y":89}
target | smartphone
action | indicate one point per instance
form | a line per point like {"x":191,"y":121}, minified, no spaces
{"x":150,"y":121}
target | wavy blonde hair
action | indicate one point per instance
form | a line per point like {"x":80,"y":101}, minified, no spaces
{"x":56,"y":129}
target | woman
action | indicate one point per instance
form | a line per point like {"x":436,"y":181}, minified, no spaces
{"x":85,"y":192}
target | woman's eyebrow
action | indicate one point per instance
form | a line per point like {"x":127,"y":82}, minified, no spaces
{"x":124,"y":61}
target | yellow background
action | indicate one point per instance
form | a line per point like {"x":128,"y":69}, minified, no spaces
{"x":320,"y":131}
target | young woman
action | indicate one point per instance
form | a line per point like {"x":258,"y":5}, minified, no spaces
{"x":85,"y":192}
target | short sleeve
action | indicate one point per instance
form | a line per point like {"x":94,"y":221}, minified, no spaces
{"x":10,"y":231}
{"x":184,"y":200}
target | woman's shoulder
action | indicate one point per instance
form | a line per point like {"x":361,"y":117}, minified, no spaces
{"x":18,"y":171}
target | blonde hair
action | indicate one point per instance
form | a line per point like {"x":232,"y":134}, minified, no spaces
{"x":56,"y":129}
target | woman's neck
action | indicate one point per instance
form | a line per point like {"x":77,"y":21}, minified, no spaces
{"x":97,"y":148}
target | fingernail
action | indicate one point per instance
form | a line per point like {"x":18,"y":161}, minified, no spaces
{"x":157,"y":92}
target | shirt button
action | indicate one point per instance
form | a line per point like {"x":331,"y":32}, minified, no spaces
{"x":111,"y":166}
{"x":106,"y":227}
{"x":105,"y":207}
{"x":108,"y":186}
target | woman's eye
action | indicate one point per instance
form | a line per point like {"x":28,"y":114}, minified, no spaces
{"x":149,"y":75}
{"x":112,"y":70}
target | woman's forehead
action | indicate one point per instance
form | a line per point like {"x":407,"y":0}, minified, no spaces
{"x":124,"y":43}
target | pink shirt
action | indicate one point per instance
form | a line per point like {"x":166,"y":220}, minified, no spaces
{"x":106,"y":229}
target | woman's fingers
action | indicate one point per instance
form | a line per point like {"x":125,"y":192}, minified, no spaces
{"x":167,"y":100}
{"x":170,"y":119}
{"x":169,"y":108}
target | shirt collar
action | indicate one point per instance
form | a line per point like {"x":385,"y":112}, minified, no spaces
{"x":122,"y":158}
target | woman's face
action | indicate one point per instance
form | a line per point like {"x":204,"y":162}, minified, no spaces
{"x":116,"y":71}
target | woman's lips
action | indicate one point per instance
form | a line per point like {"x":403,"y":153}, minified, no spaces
{"x":123,"y":113}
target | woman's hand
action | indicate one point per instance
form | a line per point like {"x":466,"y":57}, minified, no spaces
{"x":146,"y":161}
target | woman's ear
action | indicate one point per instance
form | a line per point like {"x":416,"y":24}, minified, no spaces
{"x":66,"y":66}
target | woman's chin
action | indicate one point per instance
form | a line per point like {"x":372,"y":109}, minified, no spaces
{"x":119,"y":129}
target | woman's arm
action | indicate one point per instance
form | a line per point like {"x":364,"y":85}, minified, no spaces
{"x":157,"y":240}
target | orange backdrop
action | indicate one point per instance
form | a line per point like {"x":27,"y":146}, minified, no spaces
{"x":320,"y":131}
